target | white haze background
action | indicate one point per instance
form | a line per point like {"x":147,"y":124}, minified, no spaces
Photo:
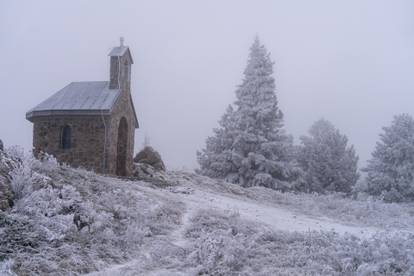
{"x":348,"y":61}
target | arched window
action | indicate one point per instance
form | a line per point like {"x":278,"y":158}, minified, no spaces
{"x":65,"y":137}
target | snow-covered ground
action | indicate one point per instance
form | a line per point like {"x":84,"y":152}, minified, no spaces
{"x":194,"y":225}
{"x":199,"y":194}
{"x":272,"y":216}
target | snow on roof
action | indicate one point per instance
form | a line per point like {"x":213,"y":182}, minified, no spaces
{"x":120,"y":51}
{"x":78,"y":98}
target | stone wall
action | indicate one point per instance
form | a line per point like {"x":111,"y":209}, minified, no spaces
{"x":120,"y":72}
{"x":88,"y":148}
{"x":87,"y":140}
{"x":123,"y":108}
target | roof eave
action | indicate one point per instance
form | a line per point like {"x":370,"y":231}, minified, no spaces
{"x":130,"y":56}
{"x":51,"y":113}
{"x":135,"y":113}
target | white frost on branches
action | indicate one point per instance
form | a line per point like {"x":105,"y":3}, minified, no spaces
{"x":251,"y":147}
{"x":327,"y":161}
{"x":390,"y":171}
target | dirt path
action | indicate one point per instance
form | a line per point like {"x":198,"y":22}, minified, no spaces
{"x":276,"y":218}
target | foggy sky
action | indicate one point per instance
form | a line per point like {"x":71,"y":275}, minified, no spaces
{"x":350,"y":62}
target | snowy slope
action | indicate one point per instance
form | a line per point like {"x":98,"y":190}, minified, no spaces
{"x":193,"y":225}
{"x":199,"y":194}
{"x":264,"y":206}
{"x":274,"y":217}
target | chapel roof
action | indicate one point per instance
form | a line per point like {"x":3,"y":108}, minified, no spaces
{"x":79,"y":98}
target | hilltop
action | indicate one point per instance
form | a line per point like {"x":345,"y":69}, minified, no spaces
{"x":71,"y":221}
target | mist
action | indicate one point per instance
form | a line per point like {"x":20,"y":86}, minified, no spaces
{"x":350,"y":62}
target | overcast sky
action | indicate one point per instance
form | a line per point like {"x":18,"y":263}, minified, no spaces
{"x":351,"y":62}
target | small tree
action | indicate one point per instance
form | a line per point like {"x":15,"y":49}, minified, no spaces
{"x":390,"y":171}
{"x":328,"y":163}
{"x":251,"y":147}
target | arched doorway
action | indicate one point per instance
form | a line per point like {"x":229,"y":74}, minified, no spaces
{"x":122,"y":148}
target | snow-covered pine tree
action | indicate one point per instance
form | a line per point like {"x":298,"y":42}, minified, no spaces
{"x":250,"y":147}
{"x":390,"y":171}
{"x":328,"y":163}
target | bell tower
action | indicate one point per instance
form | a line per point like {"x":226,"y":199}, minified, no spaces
{"x":120,"y":67}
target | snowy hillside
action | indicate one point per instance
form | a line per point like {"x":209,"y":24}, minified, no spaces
{"x":68,"y":221}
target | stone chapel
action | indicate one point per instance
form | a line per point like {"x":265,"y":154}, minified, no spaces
{"x":91,"y":124}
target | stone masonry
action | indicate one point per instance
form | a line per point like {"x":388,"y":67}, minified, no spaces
{"x":88,"y":136}
{"x":100,"y":140}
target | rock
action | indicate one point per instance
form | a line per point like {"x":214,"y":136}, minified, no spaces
{"x":148,"y":173}
{"x":1,"y":145}
{"x":181,"y":190}
{"x":151,"y":157}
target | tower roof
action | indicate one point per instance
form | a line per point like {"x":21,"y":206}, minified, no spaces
{"x":121,"y":50}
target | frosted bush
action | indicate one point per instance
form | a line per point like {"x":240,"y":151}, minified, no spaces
{"x":21,"y":177}
{"x":16,"y":152}
{"x":67,"y":221}
{"x":48,"y":163}
{"x":233,"y":247}
{"x":6,"y":268}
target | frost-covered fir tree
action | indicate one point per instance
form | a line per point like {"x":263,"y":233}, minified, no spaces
{"x":328,"y":163}
{"x":251,"y":147}
{"x":390,"y":171}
